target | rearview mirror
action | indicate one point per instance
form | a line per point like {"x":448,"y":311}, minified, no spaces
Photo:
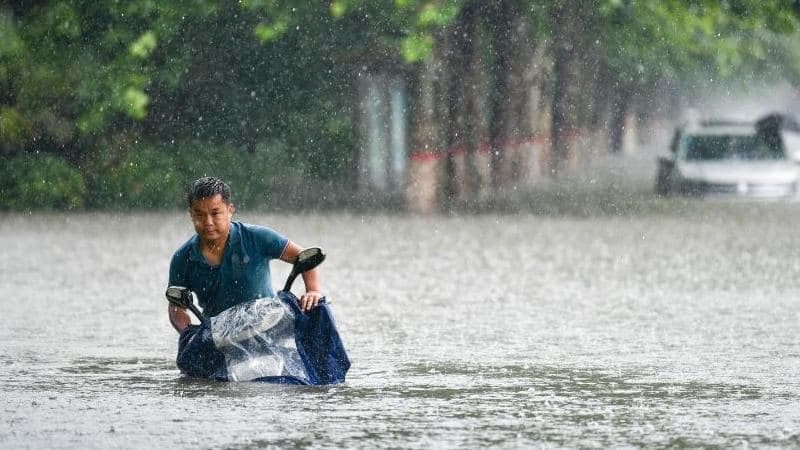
{"x":184,"y":298}
{"x":306,"y":260}
{"x":180,"y":296}
{"x":309,"y":258}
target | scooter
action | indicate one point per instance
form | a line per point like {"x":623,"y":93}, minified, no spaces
{"x":267,"y":339}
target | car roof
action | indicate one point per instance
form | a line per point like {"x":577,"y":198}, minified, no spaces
{"x":716,"y":127}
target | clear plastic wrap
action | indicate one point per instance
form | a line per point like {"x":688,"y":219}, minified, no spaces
{"x":258,"y":340}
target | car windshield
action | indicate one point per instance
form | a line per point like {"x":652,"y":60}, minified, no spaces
{"x":721,"y":147}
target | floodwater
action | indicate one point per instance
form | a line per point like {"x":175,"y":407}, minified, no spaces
{"x":671,"y":323}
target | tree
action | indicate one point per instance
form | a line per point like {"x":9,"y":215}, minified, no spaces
{"x":122,"y":89}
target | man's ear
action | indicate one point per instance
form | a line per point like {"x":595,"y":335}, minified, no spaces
{"x":231,"y":208}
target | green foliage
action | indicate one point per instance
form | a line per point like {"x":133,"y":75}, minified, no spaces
{"x":783,"y":53}
{"x":293,"y":91}
{"x":86,"y":64}
{"x":437,"y":15}
{"x":338,"y":8}
{"x":270,"y":32}
{"x":406,"y":27}
{"x":155,"y":176}
{"x":646,"y":41}
{"x":40,"y":182}
{"x":251,"y":175}
{"x":15,"y":128}
{"x":144,"y":46}
{"x":144,"y":177}
{"x":10,"y":43}
{"x":134,"y":102}
{"x":417,"y":47}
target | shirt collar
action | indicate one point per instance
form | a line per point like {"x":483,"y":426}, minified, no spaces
{"x":234,"y":237}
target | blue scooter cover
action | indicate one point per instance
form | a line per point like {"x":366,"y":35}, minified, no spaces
{"x":267,"y":340}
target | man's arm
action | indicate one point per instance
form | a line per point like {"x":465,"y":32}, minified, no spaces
{"x":313,"y":294}
{"x":178,"y":317}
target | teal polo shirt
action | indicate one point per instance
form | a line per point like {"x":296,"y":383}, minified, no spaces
{"x":242,"y":276}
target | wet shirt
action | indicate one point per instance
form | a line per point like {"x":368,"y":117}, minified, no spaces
{"x":243,"y":274}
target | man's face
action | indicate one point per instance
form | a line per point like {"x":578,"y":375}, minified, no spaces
{"x":211,"y":217}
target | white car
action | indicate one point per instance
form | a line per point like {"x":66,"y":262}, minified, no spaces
{"x":727,"y":159}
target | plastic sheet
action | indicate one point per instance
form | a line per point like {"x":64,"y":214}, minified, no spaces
{"x":268,"y":340}
{"x":258,"y":340}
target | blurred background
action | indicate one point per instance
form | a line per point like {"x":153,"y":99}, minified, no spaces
{"x":414,"y":105}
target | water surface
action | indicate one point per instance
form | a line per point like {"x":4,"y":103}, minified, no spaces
{"x":673,"y":324}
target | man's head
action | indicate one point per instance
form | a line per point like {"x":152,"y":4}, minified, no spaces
{"x":211,"y":209}
{"x":208,"y":187}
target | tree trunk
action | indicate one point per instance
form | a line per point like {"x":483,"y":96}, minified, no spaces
{"x":619,"y":112}
{"x":465,"y":100}
{"x":502,"y":108}
{"x":423,"y":184}
{"x":570,"y":27}
{"x":447,"y":114}
{"x":521,"y":81}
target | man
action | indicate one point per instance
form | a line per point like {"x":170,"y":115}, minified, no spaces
{"x":227,"y":262}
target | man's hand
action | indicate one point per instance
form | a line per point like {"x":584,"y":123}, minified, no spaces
{"x":310,"y":300}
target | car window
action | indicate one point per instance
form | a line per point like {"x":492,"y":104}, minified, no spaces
{"x":722,"y":147}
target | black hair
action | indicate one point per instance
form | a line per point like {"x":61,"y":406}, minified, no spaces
{"x":208,"y":187}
